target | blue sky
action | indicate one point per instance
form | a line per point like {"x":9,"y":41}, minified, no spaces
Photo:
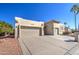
{"x":38,"y":12}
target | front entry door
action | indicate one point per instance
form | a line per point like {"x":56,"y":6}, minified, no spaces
{"x":56,"y":31}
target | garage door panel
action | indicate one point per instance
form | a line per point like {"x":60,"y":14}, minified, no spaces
{"x":29,"y":32}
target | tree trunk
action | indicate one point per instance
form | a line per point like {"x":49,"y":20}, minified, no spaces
{"x":75,"y":23}
{"x":5,"y":34}
{"x":76,"y":33}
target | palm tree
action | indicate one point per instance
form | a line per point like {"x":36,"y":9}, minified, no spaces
{"x":65,"y":25}
{"x":75,"y":10}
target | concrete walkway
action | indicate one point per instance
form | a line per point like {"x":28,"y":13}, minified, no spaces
{"x":45,"y":45}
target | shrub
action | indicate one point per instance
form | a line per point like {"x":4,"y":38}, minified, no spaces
{"x":5,"y":28}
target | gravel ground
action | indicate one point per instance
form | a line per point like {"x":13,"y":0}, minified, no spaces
{"x":9,"y":46}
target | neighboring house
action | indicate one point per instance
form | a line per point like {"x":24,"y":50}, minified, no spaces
{"x":24,"y":27}
{"x":67,"y":29}
{"x":53,"y":27}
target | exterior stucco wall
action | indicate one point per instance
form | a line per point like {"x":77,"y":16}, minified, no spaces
{"x":30,"y":23}
{"x":51,"y":26}
{"x":60,"y":27}
{"x":56,"y":25}
{"x":48,"y":28}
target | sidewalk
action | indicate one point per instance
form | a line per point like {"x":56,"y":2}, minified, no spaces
{"x":73,"y":51}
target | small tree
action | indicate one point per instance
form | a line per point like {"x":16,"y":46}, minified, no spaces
{"x":5,"y":28}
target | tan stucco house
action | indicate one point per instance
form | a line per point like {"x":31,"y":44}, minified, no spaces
{"x":25,"y":27}
{"x":53,"y":27}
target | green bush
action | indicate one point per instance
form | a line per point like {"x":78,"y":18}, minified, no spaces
{"x":5,"y":28}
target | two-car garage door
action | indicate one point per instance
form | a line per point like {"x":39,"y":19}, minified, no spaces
{"x":30,"y":31}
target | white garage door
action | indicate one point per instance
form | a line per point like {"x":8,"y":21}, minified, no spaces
{"x":30,"y":32}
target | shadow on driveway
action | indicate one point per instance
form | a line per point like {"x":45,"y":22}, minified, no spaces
{"x":69,"y":40}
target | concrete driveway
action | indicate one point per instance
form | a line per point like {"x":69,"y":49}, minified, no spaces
{"x":45,"y":45}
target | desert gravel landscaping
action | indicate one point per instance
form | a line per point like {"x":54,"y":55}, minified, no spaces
{"x":9,"y":46}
